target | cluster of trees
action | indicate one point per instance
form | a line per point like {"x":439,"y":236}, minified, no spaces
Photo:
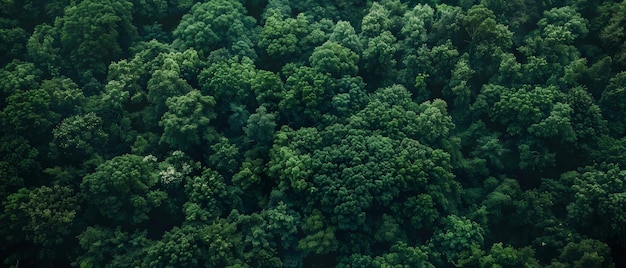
{"x":277,"y":133}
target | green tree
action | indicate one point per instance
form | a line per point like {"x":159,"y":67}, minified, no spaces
{"x":397,"y":9}
{"x":536,"y":116}
{"x":551,"y":45}
{"x":599,"y":197}
{"x":208,"y":197}
{"x":459,"y":90}
{"x":507,"y":256}
{"x":371,"y":173}
{"x":267,"y":87}
{"x":430,"y":65}
{"x":186,"y":123}
{"x":489,"y":42}
{"x":17,"y":151}
{"x":213,"y":245}
{"x":106,"y":247}
{"x":379,"y":59}
{"x":347,"y":10}
{"x":515,"y":215}
{"x":66,"y":97}
{"x":226,"y":156}
{"x":278,"y":133}
{"x":611,"y":33}
{"x":587,"y":119}
{"x":481,"y":26}
{"x":43,"y":47}
{"x":513,"y":13}
{"x":334,"y":59}
{"x":612,"y":108}
{"x":251,"y":176}
{"x":344,"y":34}
{"x":457,"y":239}
{"x":350,"y":98}
{"x":260,"y":131}
{"x":318,"y":239}
{"x":124,"y":189}
{"x":261,"y":127}
{"x":94,"y":33}
{"x":283,"y":37}
{"x":447,"y":25}
{"x":391,"y":112}
{"x":283,"y":221}
{"x":417,"y":22}
{"x":38,"y":11}
{"x":262,"y":233}
{"x":230,"y":83}
{"x":376,"y":21}
{"x":43,"y":216}
{"x":29,"y":113}
{"x":586,"y":253}
{"x":214,"y":24}
{"x":159,"y":9}
{"x":276,"y":6}
{"x":398,"y":255}
{"x":11,"y":181}
{"x":490,"y":148}
{"x":19,"y":76}
{"x":509,"y":72}
{"x":79,"y":136}
{"x":307,"y":94}
{"x":403,"y":255}
{"x":166,"y":82}
{"x":13,"y":40}
{"x":610,"y":150}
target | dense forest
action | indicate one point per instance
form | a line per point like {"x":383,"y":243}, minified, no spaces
{"x":328,"y":133}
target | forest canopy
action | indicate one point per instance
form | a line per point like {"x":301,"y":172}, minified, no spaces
{"x":278,"y":133}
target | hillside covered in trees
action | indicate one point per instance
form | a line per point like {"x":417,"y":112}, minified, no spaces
{"x":280,"y":133}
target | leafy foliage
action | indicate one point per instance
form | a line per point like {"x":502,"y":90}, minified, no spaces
{"x":123,"y":189}
{"x":94,"y":33}
{"x":186,"y":123}
{"x":277,"y":133}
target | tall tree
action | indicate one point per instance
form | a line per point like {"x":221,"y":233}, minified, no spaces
{"x":600,"y":194}
{"x":335,"y":59}
{"x":307,"y":95}
{"x":44,"y":217}
{"x":102,"y":246}
{"x":79,"y":137}
{"x":282,"y":37}
{"x":216,"y":24}
{"x":186,"y":123}
{"x":215,"y":244}
{"x":123,"y":189}
{"x":612,"y":108}
{"x":29,"y":113}
{"x":94,"y":33}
